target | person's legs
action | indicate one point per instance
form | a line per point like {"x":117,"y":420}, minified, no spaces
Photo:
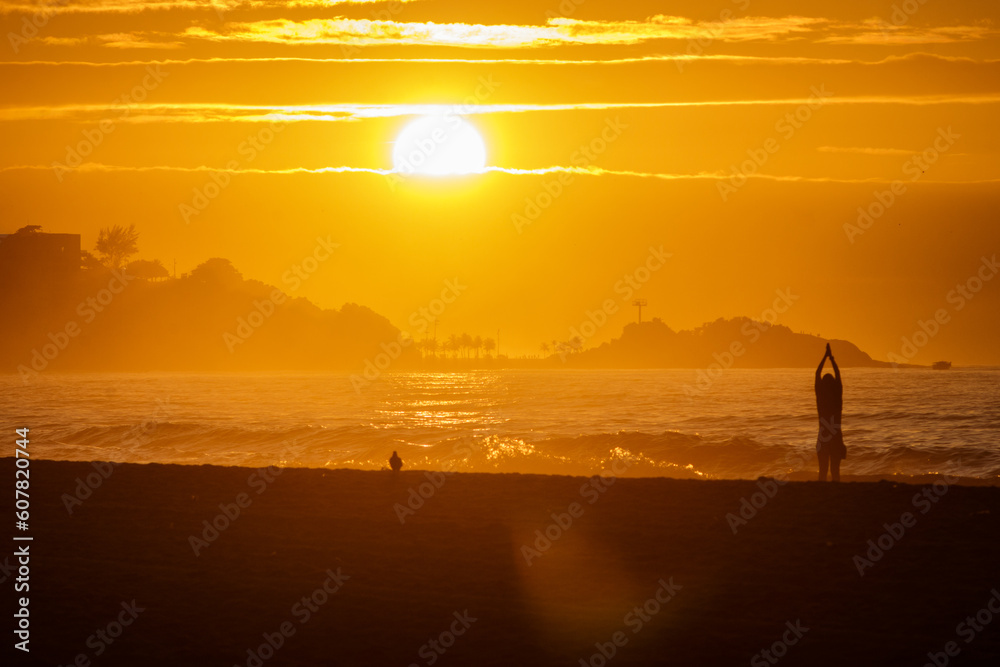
{"x":834,"y":468}
{"x":824,"y":460}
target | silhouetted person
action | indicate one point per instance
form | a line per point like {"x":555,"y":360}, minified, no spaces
{"x":830,"y":448}
{"x":395,"y":462}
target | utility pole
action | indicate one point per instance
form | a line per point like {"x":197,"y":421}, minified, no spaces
{"x":640,"y":303}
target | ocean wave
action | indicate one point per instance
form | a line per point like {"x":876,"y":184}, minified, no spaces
{"x":627,"y":453}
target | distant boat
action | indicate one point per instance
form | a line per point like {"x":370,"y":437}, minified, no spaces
{"x":941,"y":365}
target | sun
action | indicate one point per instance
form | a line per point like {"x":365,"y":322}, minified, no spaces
{"x":439,"y":145}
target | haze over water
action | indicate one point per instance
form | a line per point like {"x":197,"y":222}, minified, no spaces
{"x":747,"y":423}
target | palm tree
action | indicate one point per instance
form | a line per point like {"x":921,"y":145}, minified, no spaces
{"x":545,"y":348}
{"x":477,"y":343}
{"x":452,"y":343}
{"x":465,"y":341}
{"x":489,"y":345}
{"x":116,"y":244}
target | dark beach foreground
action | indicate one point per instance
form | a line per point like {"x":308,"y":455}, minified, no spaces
{"x":317,"y":568}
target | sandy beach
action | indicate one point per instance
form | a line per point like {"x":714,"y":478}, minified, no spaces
{"x":321,"y":567}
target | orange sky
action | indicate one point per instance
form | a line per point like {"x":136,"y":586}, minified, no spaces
{"x":670,"y":99}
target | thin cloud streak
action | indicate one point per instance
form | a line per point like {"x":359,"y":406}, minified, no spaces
{"x":666,"y":58}
{"x":861,"y":150}
{"x":93,"y":167}
{"x":206,"y":113}
{"x":139,"y":6}
{"x":558,"y":32}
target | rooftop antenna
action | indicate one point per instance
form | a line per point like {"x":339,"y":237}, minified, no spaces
{"x":640,"y":303}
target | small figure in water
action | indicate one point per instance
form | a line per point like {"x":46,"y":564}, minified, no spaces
{"x":830,"y":448}
{"x":395,"y":462}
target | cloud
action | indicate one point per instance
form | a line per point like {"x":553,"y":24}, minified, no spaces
{"x":355,"y":32}
{"x":138,"y":6}
{"x":95,"y":167}
{"x":207,"y":113}
{"x":664,"y":58}
{"x":558,"y":31}
{"x":878,"y":31}
{"x":866,"y":151}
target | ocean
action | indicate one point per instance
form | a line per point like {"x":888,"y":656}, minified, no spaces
{"x":744,"y":424}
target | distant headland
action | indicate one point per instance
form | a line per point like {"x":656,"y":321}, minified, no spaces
{"x":78,"y":312}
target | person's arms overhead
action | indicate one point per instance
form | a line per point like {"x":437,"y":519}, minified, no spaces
{"x":819,"y":369}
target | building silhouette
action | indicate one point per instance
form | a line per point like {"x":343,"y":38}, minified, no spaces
{"x":37,"y":256}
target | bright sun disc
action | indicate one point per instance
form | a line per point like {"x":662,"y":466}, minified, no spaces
{"x":438,"y":146}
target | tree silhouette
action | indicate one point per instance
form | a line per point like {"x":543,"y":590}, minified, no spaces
{"x":428,"y":346}
{"x":489,"y":345}
{"x":465,"y":342}
{"x":88,"y":261}
{"x":116,"y":244}
{"x":147,"y":269}
{"x":217,"y":271}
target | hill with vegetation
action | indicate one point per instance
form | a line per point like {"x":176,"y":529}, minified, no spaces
{"x":727,"y":343}
{"x":211,"y":319}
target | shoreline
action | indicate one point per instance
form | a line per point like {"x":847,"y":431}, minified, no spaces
{"x":795,"y":476}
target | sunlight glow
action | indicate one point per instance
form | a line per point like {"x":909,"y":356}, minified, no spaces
{"x":439,"y":145}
